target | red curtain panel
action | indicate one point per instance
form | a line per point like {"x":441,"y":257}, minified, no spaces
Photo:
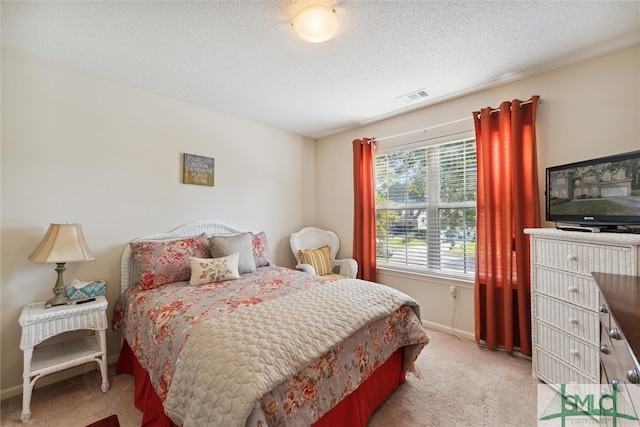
{"x":507,"y":203}
{"x":364,"y":211}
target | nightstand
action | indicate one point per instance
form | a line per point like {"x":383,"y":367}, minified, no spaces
{"x":40,"y":323}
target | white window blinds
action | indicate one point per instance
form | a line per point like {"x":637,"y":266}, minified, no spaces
{"x":426,"y":210}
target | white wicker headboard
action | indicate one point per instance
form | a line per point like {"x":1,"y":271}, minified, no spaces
{"x":128,"y":268}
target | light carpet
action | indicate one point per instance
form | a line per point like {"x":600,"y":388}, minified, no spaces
{"x":464,"y":385}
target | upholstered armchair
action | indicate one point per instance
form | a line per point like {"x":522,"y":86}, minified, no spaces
{"x":307,"y":245}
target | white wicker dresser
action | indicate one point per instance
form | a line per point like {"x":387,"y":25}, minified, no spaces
{"x":565,"y":326}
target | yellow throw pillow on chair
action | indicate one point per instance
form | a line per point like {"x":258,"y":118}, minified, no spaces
{"x":318,"y":259}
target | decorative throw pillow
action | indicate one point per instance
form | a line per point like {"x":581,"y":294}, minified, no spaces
{"x":318,"y":259}
{"x":223,"y":245}
{"x":208,"y":270}
{"x":167,"y":261}
{"x":260,"y":250}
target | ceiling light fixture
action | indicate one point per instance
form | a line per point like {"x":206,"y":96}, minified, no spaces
{"x":316,"y":24}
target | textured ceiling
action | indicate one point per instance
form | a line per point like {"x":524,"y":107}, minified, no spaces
{"x":243,"y":57}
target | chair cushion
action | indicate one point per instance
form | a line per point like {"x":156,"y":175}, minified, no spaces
{"x":318,"y":258}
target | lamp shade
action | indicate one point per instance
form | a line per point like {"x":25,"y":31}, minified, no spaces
{"x":316,"y":24}
{"x":62,"y":243}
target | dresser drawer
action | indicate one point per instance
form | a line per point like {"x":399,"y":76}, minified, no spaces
{"x":574,"y":320}
{"x":573,"y":289}
{"x":622,"y":365}
{"x":627,"y":399}
{"x":608,"y":360}
{"x":604,"y":315}
{"x":581,"y":258}
{"x":574,"y":352}
{"x":554,"y":371}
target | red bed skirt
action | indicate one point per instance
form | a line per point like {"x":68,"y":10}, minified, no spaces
{"x":352,"y":411}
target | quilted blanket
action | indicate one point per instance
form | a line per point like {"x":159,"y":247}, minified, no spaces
{"x":229,"y":362}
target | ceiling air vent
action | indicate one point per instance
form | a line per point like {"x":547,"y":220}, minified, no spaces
{"x":414,"y":96}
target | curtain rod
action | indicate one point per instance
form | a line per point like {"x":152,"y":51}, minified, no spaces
{"x":497,"y":110}
{"x":421,"y":129}
{"x":446,"y":124}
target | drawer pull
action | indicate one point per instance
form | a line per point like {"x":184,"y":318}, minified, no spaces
{"x":604,"y":349}
{"x":572,"y":257}
{"x":572,"y":289}
{"x":615,"y":334}
{"x":632,"y":376}
{"x":603,"y":308}
{"x":574,"y":353}
{"x":573,"y":320}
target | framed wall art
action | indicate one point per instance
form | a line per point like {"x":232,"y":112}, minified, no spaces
{"x":198,"y":170}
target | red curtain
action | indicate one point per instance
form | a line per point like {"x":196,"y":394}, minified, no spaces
{"x":364,"y":210}
{"x":507,"y":202}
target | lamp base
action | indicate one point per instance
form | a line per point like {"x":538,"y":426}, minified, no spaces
{"x":59,"y":289}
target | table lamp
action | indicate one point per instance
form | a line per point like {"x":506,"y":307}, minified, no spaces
{"x":63,"y":243}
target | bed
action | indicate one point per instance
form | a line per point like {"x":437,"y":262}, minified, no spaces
{"x":215,"y":334}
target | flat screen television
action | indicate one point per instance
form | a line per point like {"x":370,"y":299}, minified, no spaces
{"x":602,"y":194}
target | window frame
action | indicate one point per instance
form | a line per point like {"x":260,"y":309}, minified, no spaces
{"x":432,"y":212}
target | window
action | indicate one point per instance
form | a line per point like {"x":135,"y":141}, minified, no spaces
{"x":426,"y":208}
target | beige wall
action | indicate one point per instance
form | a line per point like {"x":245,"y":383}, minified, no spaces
{"x":76,"y":148}
{"x":588,"y":109}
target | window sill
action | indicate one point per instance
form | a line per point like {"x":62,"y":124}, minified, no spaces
{"x":419,"y":275}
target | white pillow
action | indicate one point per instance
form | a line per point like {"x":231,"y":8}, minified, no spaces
{"x":208,"y":270}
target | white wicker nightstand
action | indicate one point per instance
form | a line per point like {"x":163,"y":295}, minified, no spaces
{"x":39,"y":323}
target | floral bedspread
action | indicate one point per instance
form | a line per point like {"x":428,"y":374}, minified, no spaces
{"x":157,"y":322}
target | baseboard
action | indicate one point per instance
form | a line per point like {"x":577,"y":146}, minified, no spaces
{"x":113,"y":359}
{"x":469,"y":336}
{"x":11,"y":392}
{"x":465,"y":335}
